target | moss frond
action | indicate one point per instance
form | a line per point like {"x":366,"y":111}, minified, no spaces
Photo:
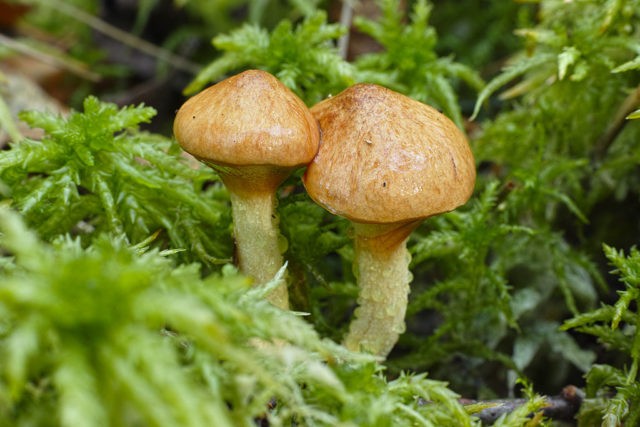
{"x":95,"y":171}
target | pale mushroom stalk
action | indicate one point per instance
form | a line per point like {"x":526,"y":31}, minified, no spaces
{"x":257,"y":235}
{"x":382,"y":267}
{"x":255,"y":228}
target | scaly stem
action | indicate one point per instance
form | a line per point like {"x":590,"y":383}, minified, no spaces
{"x":382,"y":265}
{"x":257,"y":236}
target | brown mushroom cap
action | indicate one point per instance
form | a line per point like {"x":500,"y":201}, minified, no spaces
{"x":385,"y":158}
{"x":250,"y":119}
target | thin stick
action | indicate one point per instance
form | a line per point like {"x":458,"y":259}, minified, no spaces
{"x":128,"y":39}
{"x":618,"y":123}
{"x":563,"y":407}
{"x":346,"y":16}
{"x":45,"y":58}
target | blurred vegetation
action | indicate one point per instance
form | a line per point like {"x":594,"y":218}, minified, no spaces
{"x":115,"y":247}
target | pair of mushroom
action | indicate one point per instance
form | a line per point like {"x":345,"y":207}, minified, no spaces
{"x":373,"y":156}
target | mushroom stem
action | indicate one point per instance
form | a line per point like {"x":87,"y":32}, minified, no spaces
{"x":382,"y":268}
{"x":255,"y":227}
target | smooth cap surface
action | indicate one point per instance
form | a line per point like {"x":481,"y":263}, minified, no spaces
{"x":385,"y":158}
{"x":250,"y":119}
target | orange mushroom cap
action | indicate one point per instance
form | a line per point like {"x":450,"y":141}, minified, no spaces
{"x":385,"y":158}
{"x":250,"y":119}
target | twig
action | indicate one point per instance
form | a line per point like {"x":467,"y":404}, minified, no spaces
{"x":49,"y":59}
{"x":128,"y":39}
{"x":618,"y":123}
{"x":346,"y":16}
{"x":563,"y":407}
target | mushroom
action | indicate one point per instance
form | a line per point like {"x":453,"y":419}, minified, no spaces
{"x":254,"y":132}
{"x":385,"y":162}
